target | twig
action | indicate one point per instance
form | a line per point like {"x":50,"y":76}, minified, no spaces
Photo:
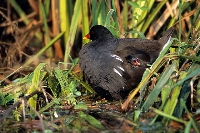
{"x":41,"y":119}
{"x":16,"y":21}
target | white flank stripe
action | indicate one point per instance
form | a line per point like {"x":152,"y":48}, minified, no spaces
{"x":117,"y":72}
{"x":121,"y":68}
{"x":163,"y":48}
{"x":167,"y":42}
{"x":116,"y":57}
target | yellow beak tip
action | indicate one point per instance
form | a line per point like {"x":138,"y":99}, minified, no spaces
{"x":85,"y":38}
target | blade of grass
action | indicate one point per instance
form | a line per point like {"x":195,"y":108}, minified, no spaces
{"x":102,"y":14}
{"x":85,"y":19}
{"x":21,"y":13}
{"x":49,"y":51}
{"x":152,"y":16}
{"x":157,"y":89}
{"x":95,"y":12}
{"x":190,"y":75}
{"x":82,"y":83}
{"x":93,"y":121}
{"x":164,"y":95}
{"x":179,"y":17}
{"x":141,"y":12}
{"x":188,"y":127}
{"x":125,"y":15}
{"x":109,"y":15}
{"x":171,"y":103}
{"x":64,"y":12}
{"x":52,"y":103}
{"x":29,"y":61}
{"x":73,"y":27}
{"x":47,"y":6}
{"x":168,"y":116}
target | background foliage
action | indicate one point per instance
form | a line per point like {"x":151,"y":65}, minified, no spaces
{"x":40,"y":77}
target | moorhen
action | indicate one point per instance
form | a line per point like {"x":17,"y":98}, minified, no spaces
{"x":113,"y":66}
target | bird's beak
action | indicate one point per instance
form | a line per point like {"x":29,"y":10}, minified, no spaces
{"x":87,"y":36}
{"x":137,"y":63}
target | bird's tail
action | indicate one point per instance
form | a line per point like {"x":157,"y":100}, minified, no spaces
{"x":165,"y":39}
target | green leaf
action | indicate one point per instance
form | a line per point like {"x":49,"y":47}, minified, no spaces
{"x":78,"y":93}
{"x":134,"y":4}
{"x":5,"y":99}
{"x":53,"y":84}
{"x":62,"y":80}
{"x":143,"y":8}
{"x":17,"y":114}
{"x":38,"y":75}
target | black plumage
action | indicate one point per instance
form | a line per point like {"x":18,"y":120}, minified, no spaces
{"x":114,"y":66}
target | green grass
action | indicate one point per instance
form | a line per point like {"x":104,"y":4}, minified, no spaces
{"x":176,"y":69}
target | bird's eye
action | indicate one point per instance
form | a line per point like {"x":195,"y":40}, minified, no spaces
{"x":92,"y":32}
{"x":135,"y":60}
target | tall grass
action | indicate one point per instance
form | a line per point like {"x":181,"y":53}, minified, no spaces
{"x":180,"y":64}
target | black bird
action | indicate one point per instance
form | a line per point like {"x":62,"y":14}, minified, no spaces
{"x":113,"y":66}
